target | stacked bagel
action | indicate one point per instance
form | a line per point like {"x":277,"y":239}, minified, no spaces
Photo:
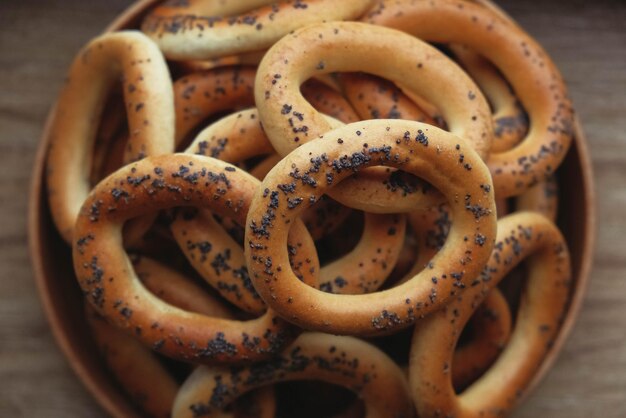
{"x":359,"y":193}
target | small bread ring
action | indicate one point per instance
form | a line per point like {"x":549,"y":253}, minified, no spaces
{"x":336,"y":47}
{"x":240,"y":136}
{"x":492,"y":327}
{"x":289,"y":120}
{"x":533,"y":76}
{"x":211,"y":251}
{"x":345,"y":361}
{"x":106,"y":276}
{"x":543,"y":305}
{"x":375,"y":255}
{"x":149,"y":107}
{"x":310,"y":171}
{"x":189,"y":30}
{"x":137,"y":370}
{"x":510,"y":120}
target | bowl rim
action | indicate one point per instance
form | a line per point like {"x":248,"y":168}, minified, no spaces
{"x":35,"y":206}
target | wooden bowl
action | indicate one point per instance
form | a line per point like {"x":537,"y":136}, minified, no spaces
{"x":63,"y":302}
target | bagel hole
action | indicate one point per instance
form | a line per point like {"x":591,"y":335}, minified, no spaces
{"x":111,"y":137}
{"x":406,"y":259}
{"x":294,"y":399}
{"x":397,"y":345}
{"x":342,"y":240}
{"x":505,"y":124}
{"x":512,"y":287}
{"x":200,"y":126}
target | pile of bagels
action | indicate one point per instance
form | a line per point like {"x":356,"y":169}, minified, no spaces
{"x":357,"y":194}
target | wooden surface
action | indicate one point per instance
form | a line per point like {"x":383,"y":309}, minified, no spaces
{"x":587,"y":40}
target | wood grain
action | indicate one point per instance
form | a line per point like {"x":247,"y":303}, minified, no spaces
{"x":38,"y":39}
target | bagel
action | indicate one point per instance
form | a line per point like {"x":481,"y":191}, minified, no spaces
{"x":104,"y":272}
{"x":543,"y":306}
{"x":533,"y":76}
{"x":191,"y":29}
{"x":313,"y":169}
{"x":289,"y":120}
{"x":345,"y":361}
{"x":149,"y":108}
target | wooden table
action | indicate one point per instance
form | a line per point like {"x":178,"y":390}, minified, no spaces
{"x":38,"y":39}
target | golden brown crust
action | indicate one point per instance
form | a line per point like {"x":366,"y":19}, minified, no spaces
{"x":532,"y":74}
{"x":149,"y":108}
{"x":138,"y":371}
{"x":104,"y":271}
{"x":544,"y":302}
{"x":345,"y":361}
{"x":314,"y":168}
{"x":289,"y":120}
{"x":190,"y":30}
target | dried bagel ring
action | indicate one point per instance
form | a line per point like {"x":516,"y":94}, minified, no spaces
{"x":532,"y":74}
{"x":105,"y":274}
{"x":140,"y":373}
{"x":544,"y":302}
{"x":191,"y":30}
{"x":199,"y":95}
{"x":289,"y":120}
{"x":377,"y":98}
{"x":137,"y":369}
{"x":240,"y":136}
{"x":344,"y":361}
{"x":510,"y":120}
{"x":210,"y":249}
{"x":306,"y":173}
{"x":219,"y":258}
{"x":149,"y":106}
